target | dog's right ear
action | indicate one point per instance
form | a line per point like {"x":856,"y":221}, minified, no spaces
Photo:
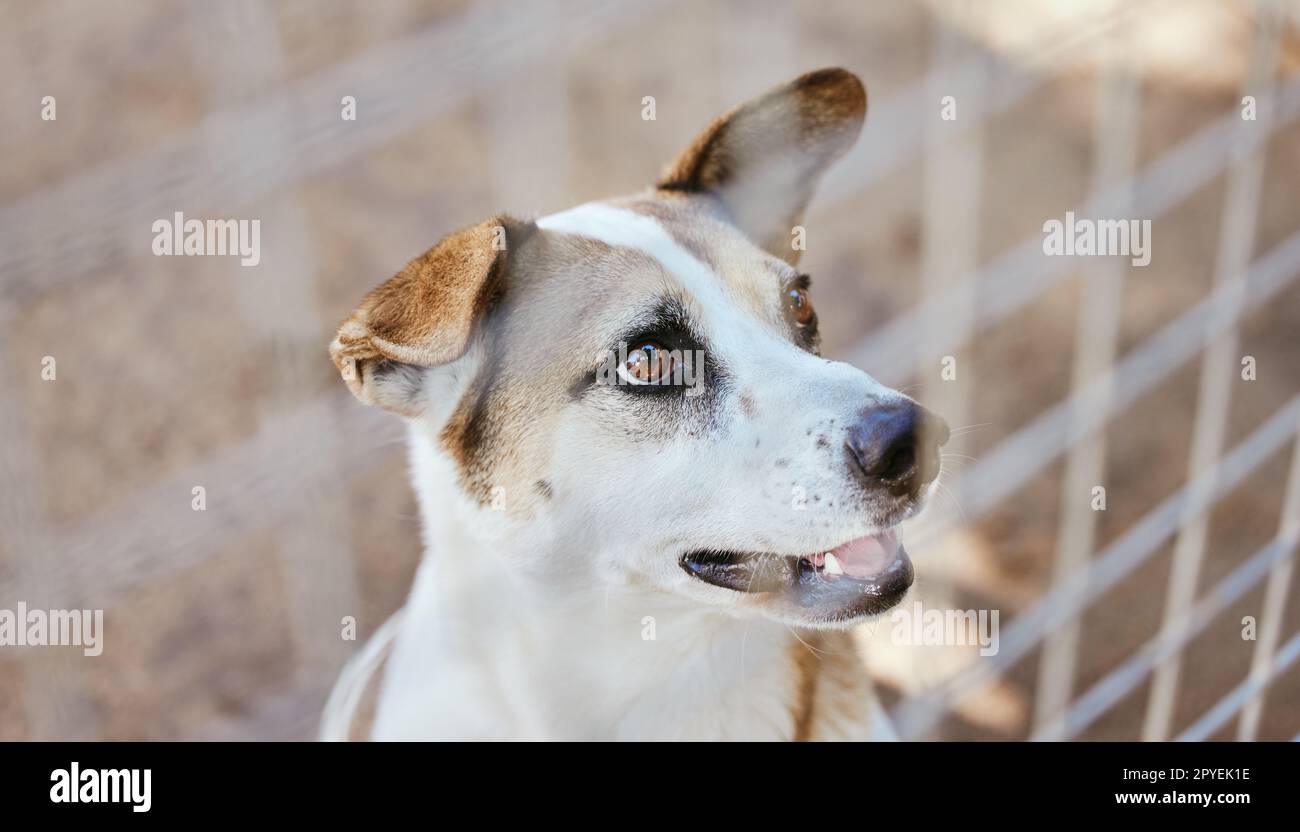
{"x":426,"y":315}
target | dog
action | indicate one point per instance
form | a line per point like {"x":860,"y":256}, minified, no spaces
{"x":651,"y":509}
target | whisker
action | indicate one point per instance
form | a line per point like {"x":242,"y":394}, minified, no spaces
{"x":955,"y":466}
{"x":952,"y":498}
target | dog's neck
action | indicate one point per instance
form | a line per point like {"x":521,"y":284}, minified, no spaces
{"x":490,"y":650}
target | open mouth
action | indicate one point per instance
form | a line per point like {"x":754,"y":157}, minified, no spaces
{"x":864,"y":576}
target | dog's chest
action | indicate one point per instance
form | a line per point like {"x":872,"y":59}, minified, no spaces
{"x":582,"y":676}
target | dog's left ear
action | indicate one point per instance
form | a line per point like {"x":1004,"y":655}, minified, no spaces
{"x":763,"y":159}
{"x":426,"y":315}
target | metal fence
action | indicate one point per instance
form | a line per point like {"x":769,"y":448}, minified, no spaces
{"x":284,"y":471}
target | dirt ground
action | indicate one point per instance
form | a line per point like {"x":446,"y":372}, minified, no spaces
{"x":174,"y":372}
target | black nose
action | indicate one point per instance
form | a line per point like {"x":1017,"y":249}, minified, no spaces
{"x":896,"y":447}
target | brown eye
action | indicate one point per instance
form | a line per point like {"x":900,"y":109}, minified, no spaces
{"x":649,"y":363}
{"x":800,"y":305}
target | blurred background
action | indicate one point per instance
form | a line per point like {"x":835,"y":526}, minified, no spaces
{"x":926,"y":243}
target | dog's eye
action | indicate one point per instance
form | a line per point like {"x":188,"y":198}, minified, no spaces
{"x":799,"y":304}
{"x":649,"y":362}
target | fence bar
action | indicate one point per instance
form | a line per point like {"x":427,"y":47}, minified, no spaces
{"x":1115,"y":562}
{"x":1228,"y":705}
{"x":1236,"y":241}
{"x":1116,"y":125}
{"x":1270,"y":621}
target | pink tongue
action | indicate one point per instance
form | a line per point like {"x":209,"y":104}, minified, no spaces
{"x":868,"y":556}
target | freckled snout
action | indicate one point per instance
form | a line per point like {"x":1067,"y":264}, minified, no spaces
{"x":896,"y":447}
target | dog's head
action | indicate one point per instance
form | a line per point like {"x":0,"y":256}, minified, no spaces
{"x":631,"y":391}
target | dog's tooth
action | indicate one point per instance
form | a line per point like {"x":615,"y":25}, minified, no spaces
{"x":832,"y":565}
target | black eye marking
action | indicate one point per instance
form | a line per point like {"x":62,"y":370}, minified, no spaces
{"x":690,"y":404}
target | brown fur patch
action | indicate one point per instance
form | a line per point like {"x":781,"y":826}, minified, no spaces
{"x":807,"y":668}
{"x":832,"y":689}
{"x":426,"y":314}
{"x":472,"y":431}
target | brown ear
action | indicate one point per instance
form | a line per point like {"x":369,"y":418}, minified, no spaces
{"x":764,"y":157}
{"x":425,"y":315}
